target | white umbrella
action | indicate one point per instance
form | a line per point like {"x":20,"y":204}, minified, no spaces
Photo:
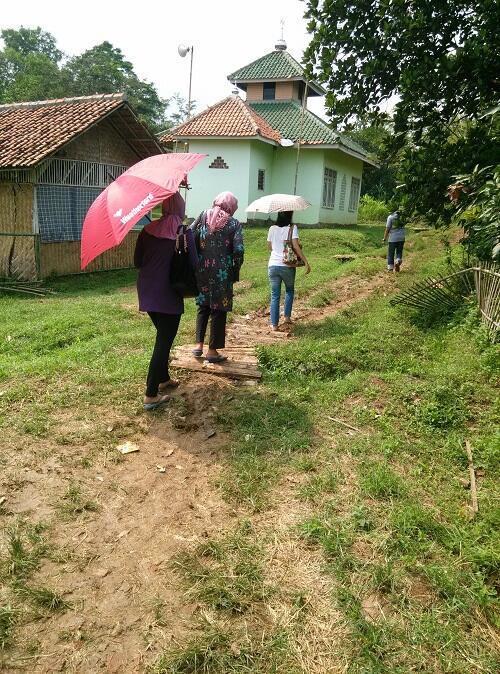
{"x":274,"y":203}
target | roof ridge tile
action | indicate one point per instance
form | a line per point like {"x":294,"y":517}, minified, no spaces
{"x":64,"y":101}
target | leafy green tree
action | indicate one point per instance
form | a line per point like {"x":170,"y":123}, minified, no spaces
{"x":32,"y":68}
{"x":29,"y":69}
{"x":374,"y":136}
{"x":104,"y":69}
{"x":440,"y":58}
{"x":26,"y":41}
{"x":476,"y":197}
{"x":182,"y":110}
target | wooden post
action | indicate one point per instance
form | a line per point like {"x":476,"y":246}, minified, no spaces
{"x":472,"y":473}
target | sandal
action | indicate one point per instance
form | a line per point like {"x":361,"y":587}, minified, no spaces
{"x":152,"y":406}
{"x":216,"y":359}
{"x":170,"y":384}
{"x":197,"y":353}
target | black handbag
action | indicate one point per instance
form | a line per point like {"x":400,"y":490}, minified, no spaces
{"x":182,"y":274}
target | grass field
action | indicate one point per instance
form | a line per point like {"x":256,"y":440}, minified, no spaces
{"x":294,"y":544}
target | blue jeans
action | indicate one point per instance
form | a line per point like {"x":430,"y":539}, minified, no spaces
{"x":394,"y":247}
{"x":276,"y":276}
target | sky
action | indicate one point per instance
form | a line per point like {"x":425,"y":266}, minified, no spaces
{"x":225,"y":34}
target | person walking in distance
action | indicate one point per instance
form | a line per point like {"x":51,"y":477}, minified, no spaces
{"x":395,"y":231}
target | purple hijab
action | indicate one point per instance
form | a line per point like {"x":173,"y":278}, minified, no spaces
{"x":173,"y":210}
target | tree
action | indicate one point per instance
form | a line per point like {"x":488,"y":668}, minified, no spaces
{"x":379,"y":182}
{"x":29,"y":69}
{"x":104,"y":69}
{"x":440,"y":58}
{"x":32,"y":68}
{"x":26,"y":41}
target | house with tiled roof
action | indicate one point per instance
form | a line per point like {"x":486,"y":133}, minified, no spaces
{"x":271,"y":142}
{"x":56,"y":157}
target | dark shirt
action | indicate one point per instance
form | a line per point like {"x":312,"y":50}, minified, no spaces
{"x":153,"y":257}
{"x":220,"y":256}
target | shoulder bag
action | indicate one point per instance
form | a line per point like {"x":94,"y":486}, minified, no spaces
{"x":182,"y":274}
{"x":290,"y":257}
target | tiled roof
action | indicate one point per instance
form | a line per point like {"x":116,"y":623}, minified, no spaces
{"x":285,"y":117}
{"x":30,"y":132}
{"x":230,"y":118}
{"x":277,"y":65}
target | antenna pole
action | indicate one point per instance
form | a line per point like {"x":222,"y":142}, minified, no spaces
{"x":302,"y":114}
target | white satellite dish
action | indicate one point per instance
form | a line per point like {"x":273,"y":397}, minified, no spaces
{"x":286,"y":142}
{"x":182,"y":50}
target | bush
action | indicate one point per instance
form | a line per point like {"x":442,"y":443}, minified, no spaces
{"x":372,"y":210}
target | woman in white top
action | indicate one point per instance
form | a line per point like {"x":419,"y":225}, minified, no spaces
{"x":278,"y":271}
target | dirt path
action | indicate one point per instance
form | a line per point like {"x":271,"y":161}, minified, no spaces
{"x":115,"y":564}
{"x":254,"y":329}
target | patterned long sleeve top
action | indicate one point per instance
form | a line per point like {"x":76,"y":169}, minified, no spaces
{"x":220,"y":256}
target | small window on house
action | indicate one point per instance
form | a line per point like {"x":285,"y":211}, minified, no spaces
{"x":329,"y":185}
{"x":218,"y":163}
{"x":261,"y":179}
{"x":343,"y":190}
{"x":269,"y":91}
{"x":354,"y":195}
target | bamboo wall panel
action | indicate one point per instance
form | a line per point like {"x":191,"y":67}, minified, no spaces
{"x":23,"y":262}
{"x":101,"y":144}
{"x":6,"y":243}
{"x":18,"y":258}
{"x":119,"y":257}
{"x":16,"y":208}
{"x":64,"y":257}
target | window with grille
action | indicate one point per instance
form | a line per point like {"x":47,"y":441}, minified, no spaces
{"x":62,"y":210}
{"x":269,"y":91}
{"x":343,"y":190}
{"x":354,"y":195}
{"x":261,"y":179}
{"x":329,"y":185}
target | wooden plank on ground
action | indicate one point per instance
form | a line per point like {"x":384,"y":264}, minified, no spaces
{"x":234,"y":354}
{"x":236,"y":367}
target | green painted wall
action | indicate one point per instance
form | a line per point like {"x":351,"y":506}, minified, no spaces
{"x":262,"y":156}
{"x":345,"y":166}
{"x":309,"y":181}
{"x":206,"y":183}
{"x":245,"y":157}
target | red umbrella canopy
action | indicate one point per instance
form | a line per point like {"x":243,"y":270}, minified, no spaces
{"x":130,"y":197}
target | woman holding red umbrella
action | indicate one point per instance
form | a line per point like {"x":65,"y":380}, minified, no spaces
{"x":153,"y":257}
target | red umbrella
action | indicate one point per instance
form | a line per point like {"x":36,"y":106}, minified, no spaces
{"x":130,"y":197}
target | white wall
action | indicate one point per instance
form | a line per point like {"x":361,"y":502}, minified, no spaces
{"x":245,"y":157}
{"x":262,"y":156}
{"x":309,"y":180}
{"x":206,"y":183}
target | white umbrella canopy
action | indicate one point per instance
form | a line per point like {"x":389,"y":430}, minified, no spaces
{"x":274,"y":203}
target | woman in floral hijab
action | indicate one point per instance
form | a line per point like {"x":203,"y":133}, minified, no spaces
{"x":219,"y":243}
